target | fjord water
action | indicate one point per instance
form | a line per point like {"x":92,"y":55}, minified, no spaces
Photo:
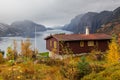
{"x":40,"y":42}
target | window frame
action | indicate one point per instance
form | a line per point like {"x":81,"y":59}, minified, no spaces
{"x":90,"y":43}
{"x":82,"y":44}
{"x":55,"y":44}
{"x":50,"y":43}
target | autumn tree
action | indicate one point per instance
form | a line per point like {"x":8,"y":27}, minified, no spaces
{"x":1,"y":57}
{"x":65,"y":48}
{"x":26,"y":50}
{"x":113,"y":55}
{"x":10,"y":54}
{"x":15,"y":49}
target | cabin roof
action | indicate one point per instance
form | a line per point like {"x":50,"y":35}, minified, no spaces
{"x":74,"y":37}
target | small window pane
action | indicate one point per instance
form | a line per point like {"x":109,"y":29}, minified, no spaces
{"x":50,"y":43}
{"x":55,"y":44}
{"x":90,"y":43}
{"x":81,"y":43}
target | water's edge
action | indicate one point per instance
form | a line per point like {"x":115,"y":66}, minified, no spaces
{"x":40,"y":42}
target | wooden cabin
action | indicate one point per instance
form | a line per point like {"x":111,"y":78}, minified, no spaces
{"x":77,"y":43}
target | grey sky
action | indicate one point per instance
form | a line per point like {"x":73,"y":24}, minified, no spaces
{"x":51,"y":12}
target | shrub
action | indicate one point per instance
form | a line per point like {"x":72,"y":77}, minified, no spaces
{"x":65,"y":48}
{"x":1,"y":58}
{"x":110,"y":73}
{"x":2,"y":52}
{"x":19,"y":60}
{"x":96,"y":55}
{"x":51,"y":62}
{"x":84,"y":67}
{"x":10,"y":54}
{"x":69,"y":72}
{"x":90,"y":76}
{"x":97,"y":67}
{"x":26,"y":50}
{"x":24,"y":71}
{"x":115,"y":75}
{"x":11,"y":62}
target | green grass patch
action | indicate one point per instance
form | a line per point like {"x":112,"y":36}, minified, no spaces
{"x":44,"y":54}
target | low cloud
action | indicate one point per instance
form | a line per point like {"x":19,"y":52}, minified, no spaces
{"x":51,"y":12}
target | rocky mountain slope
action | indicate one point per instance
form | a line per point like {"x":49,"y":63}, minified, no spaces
{"x":92,"y":20}
{"x":7,"y":30}
{"x":112,"y":27}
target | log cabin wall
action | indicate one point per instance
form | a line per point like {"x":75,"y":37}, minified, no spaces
{"x":101,"y":45}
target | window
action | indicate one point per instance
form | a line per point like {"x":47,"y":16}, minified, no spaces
{"x":68,"y":45}
{"x":90,"y":43}
{"x":96,"y":43}
{"x":55,"y":44}
{"x":81,"y":43}
{"x":50,"y":43}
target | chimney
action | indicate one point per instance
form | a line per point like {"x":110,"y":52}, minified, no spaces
{"x":87,"y":31}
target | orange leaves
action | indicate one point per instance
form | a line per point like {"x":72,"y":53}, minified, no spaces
{"x":10,"y":54}
{"x":26,"y":48}
{"x":113,"y":55}
{"x":1,"y":58}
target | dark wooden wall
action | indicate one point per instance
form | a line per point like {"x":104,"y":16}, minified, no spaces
{"x":76,"y":49}
{"x":74,"y":46}
{"x":50,"y":48}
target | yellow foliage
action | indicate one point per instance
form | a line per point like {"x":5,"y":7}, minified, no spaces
{"x":25,"y":48}
{"x":15,"y":48}
{"x":1,"y":58}
{"x":10,"y":53}
{"x":113,"y":55}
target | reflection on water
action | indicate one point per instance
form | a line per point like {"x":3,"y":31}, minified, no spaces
{"x":40,"y":42}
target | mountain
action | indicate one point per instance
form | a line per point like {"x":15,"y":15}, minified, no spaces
{"x":3,"y":28}
{"x":28,"y":27}
{"x":113,"y":26}
{"x":20,"y":28}
{"x":91,"y":19}
{"x":7,"y":30}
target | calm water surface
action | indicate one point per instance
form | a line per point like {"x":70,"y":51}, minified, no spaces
{"x":40,"y":42}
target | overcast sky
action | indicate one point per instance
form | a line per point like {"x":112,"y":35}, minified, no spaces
{"x":51,"y":12}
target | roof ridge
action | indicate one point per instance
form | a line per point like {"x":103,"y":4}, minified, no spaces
{"x":96,"y":36}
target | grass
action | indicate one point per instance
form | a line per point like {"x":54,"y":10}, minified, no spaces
{"x":55,"y":69}
{"x":44,"y":54}
{"x":50,"y":70}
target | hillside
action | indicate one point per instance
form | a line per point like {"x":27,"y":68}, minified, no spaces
{"x":110,"y":28}
{"x":7,"y":30}
{"x":113,"y":26}
{"x":93,"y":20}
{"x":20,"y":28}
{"x":27,"y":27}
